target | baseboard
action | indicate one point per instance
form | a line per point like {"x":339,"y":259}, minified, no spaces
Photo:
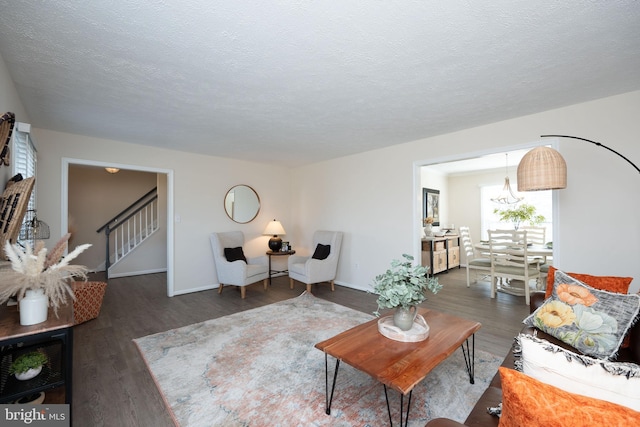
{"x":137,"y":273}
{"x":199,"y":289}
{"x":356,"y":287}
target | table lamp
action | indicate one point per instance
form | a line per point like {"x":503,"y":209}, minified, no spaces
{"x":274,"y":228}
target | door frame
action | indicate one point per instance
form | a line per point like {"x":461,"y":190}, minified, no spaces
{"x":417,"y":188}
{"x":64,"y":218}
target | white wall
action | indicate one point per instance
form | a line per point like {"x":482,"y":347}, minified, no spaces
{"x":9,"y":102}
{"x":374,"y":196}
{"x":96,"y":196}
{"x":200,"y":184}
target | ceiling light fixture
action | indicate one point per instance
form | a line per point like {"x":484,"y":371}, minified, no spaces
{"x":506,"y":196}
{"x":544,"y":168}
{"x":112,"y":170}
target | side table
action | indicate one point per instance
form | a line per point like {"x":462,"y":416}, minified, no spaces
{"x":277,"y":253}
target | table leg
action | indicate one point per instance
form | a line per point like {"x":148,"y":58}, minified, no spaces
{"x":469,"y":357}
{"x":406,"y":416}
{"x":329,"y":398}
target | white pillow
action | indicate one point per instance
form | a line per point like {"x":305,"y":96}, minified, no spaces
{"x":615,"y":382}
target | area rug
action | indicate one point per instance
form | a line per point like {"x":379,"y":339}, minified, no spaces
{"x":260,"y":368}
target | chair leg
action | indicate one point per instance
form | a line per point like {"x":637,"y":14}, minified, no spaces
{"x":266,"y":283}
{"x":333,"y":287}
{"x":309,"y":288}
{"x":243,"y":291}
{"x":468,"y":285}
{"x":290,"y":283}
{"x":494,"y":283}
{"x":220,"y":288}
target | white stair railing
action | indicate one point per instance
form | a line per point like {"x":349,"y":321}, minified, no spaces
{"x":129,"y":234}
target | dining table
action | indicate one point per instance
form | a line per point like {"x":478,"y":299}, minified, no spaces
{"x":516,"y":287}
{"x":543,"y":251}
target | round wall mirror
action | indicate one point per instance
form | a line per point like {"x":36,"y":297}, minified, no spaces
{"x":242,"y":204}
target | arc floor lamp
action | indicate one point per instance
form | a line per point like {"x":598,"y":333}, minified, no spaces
{"x":544,"y":168}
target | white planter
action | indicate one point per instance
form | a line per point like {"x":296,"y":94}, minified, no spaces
{"x":34,"y":307}
{"x":29,"y":374}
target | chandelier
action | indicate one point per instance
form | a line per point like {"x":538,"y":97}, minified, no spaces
{"x":506,"y":196}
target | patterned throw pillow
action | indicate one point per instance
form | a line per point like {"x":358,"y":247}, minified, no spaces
{"x":592,"y":321}
{"x":605,"y":283}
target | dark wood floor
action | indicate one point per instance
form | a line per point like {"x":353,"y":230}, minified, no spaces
{"x":111,"y":384}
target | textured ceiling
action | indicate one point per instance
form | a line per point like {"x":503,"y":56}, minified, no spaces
{"x":294,"y":82}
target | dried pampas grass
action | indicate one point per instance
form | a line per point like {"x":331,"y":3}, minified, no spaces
{"x":34,"y":269}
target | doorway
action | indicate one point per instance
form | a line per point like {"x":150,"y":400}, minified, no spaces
{"x":167,"y":193}
{"x":434,"y":173}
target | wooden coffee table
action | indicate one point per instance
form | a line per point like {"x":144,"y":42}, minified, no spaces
{"x":400,"y":365}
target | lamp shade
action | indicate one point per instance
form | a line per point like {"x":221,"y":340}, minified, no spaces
{"x":274,"y":228}
{"x":542,"y":168}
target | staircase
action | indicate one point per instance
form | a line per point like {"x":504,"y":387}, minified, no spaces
{"x":130,"y":228}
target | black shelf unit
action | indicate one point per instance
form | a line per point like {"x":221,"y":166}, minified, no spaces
{"x":55,"y":337}
{"x":52,"y":375}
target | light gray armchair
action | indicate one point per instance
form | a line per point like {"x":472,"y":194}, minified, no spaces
{"x":235,"y":271}
{"x":322,"y":265}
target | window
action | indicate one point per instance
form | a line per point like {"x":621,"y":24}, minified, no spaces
{"x":23,"y":161}
{"x":542,"y":200}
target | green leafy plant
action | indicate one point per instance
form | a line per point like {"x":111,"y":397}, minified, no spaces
{"x":403,"y":285}
{"x":27,"y":361}
{"x":520,"y":214}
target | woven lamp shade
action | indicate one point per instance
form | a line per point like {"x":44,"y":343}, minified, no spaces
{"x":542,"y":168}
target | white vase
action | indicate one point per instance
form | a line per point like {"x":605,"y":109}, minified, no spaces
{"x":34,"y":307}
{"x":404,"y":317}
{"x":428,"y":230}
{"x":27,"y":375}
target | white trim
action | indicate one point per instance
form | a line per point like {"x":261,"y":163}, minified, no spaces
{"x":417,"y":189}
{"x":138,"y":273}
{"x":66,"y":161}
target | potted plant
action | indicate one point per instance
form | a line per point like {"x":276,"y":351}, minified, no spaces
{"x":519,"y":214}
{"x":39,"y":279}
{"x":402,"y":287}
{"x":28,"y":365}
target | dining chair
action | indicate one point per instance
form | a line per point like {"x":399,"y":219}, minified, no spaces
{"x":474,"y":260}
{"x":537,"y":236}
{"x":510,"y":260}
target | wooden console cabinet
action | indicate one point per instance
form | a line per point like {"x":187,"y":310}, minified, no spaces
{"x":441,"y":253}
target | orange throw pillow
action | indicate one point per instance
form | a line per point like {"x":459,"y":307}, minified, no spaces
{"x":604,"y":283}
{"x":527,"y":402}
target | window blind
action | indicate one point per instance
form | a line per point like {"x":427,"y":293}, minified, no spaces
{"x":24,"y":160}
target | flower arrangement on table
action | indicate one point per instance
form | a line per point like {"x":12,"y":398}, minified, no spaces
{"x":34,"y":268}
{"x":403,"y":285}
{"x":427,"y":220}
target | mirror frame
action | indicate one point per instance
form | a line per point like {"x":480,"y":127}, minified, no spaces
{"x":230,"y":214}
